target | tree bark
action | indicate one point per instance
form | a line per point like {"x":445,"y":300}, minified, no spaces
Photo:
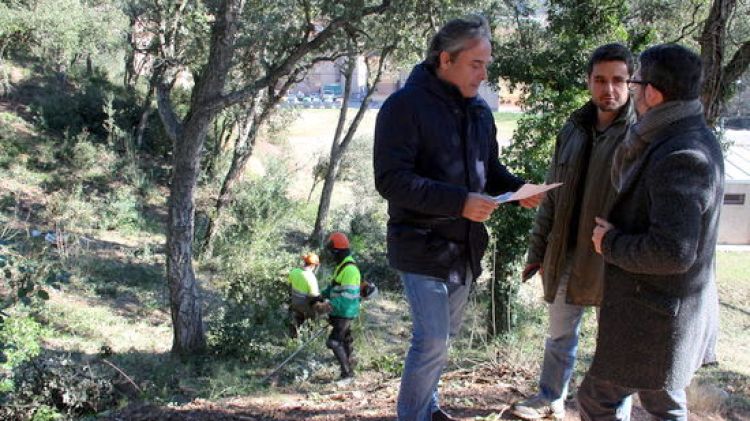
{"x":187,"y":318}
{"x":718,"y":77}
{"x":338,"y":148}
{"x":712,"y":41}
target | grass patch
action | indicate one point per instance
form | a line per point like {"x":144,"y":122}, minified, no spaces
{"x":506,"y":123}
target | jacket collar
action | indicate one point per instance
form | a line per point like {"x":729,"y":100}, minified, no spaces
{"x":679,"y":126}
{"x":423,"y":76}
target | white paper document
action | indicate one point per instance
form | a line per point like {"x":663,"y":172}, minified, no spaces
{"x":527,"y":190}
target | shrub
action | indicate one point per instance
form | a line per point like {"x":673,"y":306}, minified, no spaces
{"x":62,"y":383}
{"x":368,"y":236}
{"x":88,"y":109}
{"x":120,"y":209}
{"x":19,"y":336}
{"x":253,"y":265}
{"x":71,"y":208}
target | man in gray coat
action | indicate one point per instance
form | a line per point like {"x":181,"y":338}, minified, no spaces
{"x":560,"y":245}
{"x":659,"y":314}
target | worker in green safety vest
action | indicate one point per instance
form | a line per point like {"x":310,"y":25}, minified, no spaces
{"x":306,"y":301}
{"x":343,"y":294}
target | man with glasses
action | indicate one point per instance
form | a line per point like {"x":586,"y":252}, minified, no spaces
{"x":436,"y":162}
{"x":659,"y":316}
{"x":560,"y":247}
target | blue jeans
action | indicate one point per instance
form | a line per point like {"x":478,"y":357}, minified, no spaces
{"x":561,"y":345}
{"x":437,"y":308}
{"x":601,"y":400}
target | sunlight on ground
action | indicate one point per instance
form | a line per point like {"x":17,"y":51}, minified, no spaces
{"x":86,"y":325}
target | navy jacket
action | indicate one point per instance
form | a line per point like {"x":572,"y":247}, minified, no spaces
{"x":433,"y":147}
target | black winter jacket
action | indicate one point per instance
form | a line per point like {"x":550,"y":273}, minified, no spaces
{"x":433,"y":147}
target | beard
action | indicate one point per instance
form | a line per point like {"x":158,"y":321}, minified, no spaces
{"x":608,"y":105}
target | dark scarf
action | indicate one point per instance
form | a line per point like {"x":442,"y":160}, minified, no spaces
{"x":640,"y":135}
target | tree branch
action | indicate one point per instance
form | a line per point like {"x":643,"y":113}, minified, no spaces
{"x":690,"y":26}
{"x":170,"y":120}
{"x":287,"y":65}
{"x":739,"y":63}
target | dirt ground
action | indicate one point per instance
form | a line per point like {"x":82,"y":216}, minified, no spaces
{"x":484,"y":393}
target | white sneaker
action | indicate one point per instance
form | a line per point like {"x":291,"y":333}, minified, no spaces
{"x":537,"y":407}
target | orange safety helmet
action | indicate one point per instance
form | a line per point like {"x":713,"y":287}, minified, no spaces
{"x":311,"y":259}
{"x":338,"y":241}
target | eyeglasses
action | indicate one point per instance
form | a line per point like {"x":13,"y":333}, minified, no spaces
{"x":632,"y":82}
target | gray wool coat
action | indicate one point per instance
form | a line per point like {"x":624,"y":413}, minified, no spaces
{"x":659,"y":314}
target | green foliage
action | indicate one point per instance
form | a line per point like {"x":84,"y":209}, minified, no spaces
{"x":368,"y":237}
{"x":59,"y":30}
{"x":95,"y":108}
{"x":391,"y":364}
{"x":20,"y":337}
{"x":550,"y":63}
{"x":253,"y":265}
{"x":46,"y":413}
{"x":23,"y":277}
{"x":51,"y":383}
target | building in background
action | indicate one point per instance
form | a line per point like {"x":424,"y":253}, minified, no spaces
{"x":734,"y":227}
{"x":327,"y":76}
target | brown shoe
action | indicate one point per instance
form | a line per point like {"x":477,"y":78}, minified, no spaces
{"x":441,"y":415}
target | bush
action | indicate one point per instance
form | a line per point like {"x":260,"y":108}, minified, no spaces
{"x":120,"y":209}
{"x":253,"y":265}
{"x":368,"y":237}
{"x":86,"y":109}
{"x":69,"y":386}
{"x":19,"y":336}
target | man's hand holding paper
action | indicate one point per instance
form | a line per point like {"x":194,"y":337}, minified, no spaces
{"x":528,"y":196}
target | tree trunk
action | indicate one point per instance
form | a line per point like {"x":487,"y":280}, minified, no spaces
{"x":243,"y":150}
{"x":713,"y":45}
{"x":503,"y":296}
{"x":130,"y":73}
{"x":338,"y":149}
{"x":187,"y":320}
{"x":89,"y":65}
{"x":146,"y":109}
{"x":221,"y":134}
{"x":334,"y":162}
{"x":4,"y":76}
{"x":185,"y":303}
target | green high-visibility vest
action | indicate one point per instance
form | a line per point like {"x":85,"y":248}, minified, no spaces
{"x":343,"y":293}
{"x":304,"y":282}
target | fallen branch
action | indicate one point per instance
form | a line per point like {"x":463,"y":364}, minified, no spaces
{"x":123,"y":374}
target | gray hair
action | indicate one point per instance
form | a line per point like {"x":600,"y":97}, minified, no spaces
{"x":453,"y":36}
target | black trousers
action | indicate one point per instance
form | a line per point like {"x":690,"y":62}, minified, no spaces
{"x":340,"y":342}
{"x":341,"y":332}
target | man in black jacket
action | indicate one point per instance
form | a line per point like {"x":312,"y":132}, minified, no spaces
{"x":659,"y":314}
{"x":436,"y":162}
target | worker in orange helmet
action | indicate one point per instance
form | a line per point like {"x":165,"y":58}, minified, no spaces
{"x":306,"y":301}
{"x":343,"y":294}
